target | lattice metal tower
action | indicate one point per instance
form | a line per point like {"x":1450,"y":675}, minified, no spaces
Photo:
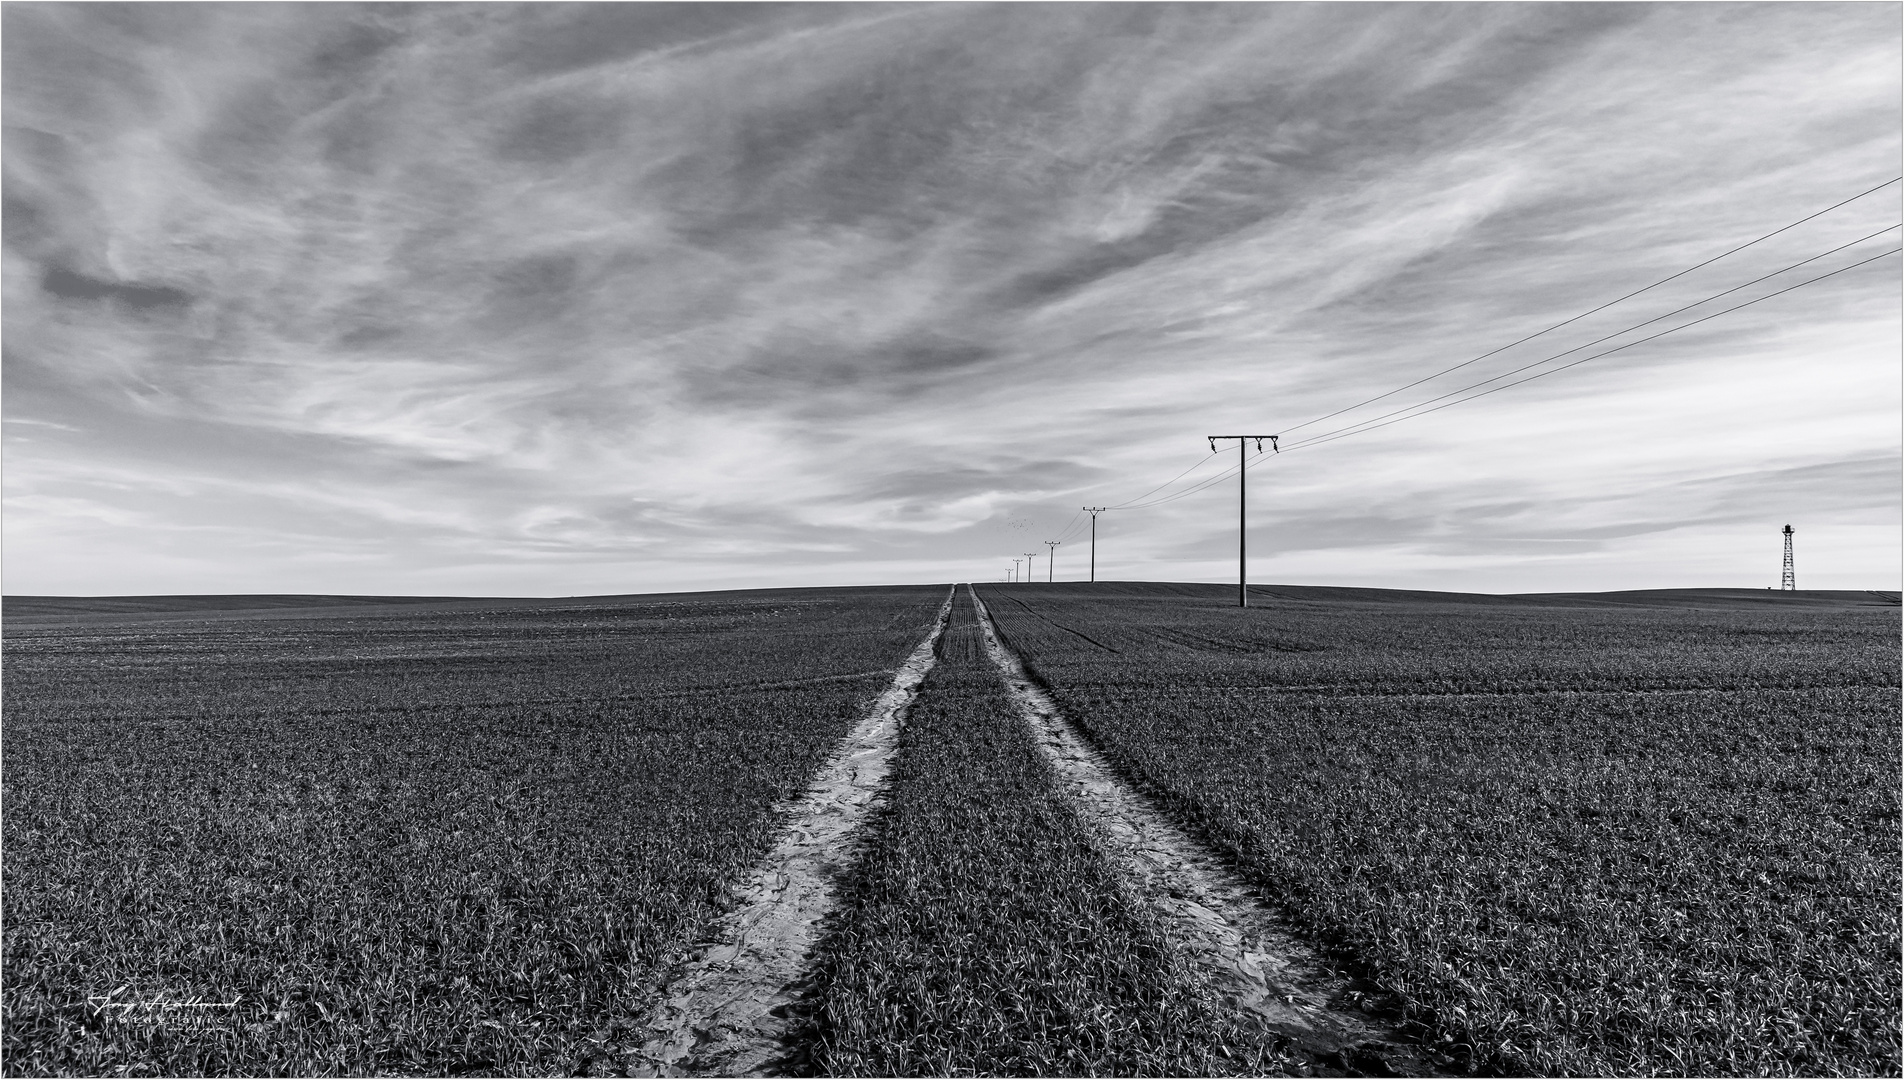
{"x":1786,"y":580}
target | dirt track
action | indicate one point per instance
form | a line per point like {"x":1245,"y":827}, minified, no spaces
{"x":721,"y":1016}
{"x":725,"y":1014}
{"x":1263,"y":968}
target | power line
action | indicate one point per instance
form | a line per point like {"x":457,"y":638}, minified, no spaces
{"x":1456,"y":397}
{"x":1411,"y":411}
{"x":1201,"y":462}
{"x":1201,"y":485}
{"x":1344,"y":433}
{"x":1139,"y":502}
{"x":1602,"y":307}
{"x":1358,"y":429}
{"x":1630,"y":329}
{"x":1066,"y":532}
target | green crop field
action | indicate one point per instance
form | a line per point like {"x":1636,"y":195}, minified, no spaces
{"x":408,"y":840}
{"x":1621,"y":834}
{"x":1609,"y":836}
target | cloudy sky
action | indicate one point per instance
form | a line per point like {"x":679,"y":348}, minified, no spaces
{"x":563,"y":299}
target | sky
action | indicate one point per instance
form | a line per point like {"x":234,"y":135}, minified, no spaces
{"x":565,"y":299}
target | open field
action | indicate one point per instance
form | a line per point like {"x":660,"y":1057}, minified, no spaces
{"x":1655,"y":834}
{"x":403,"y":840}
{"x":1618,"y":834}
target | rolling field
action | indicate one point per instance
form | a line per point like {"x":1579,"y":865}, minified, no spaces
{"x":1620,"y":834}
{"x":1634,"y":835}
{"x":402,"y":840}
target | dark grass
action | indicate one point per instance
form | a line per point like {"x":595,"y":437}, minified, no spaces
{"x":1594,"y":840}
{"x":41,"y":606}
{"x":985,"y":935}
{"x":1338,"y":595}
{"x":24,"y":610}
{"x":446,"y":843}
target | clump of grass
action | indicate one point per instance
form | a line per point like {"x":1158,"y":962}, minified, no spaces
{"x":984,"y":934}
{"x":1569,"y":857}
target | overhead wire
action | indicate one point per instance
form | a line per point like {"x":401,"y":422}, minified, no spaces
{"x":1200,"y":463}
{"x":1629,"y":329}
{"x":1420,"y":409}
{"x":1440,"y":402}
{"x":1201,"y":485}
{"x":1139,"y":501}
{"x":1357,"y":429}
{"x":1066,"y":532}
{"x":1592,"y":311}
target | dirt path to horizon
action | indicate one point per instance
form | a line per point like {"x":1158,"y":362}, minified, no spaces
{"x":724,"y":1015}
{"x":729,"y":1012}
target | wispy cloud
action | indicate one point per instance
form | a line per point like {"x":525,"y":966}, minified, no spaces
{"x":581,"y":297}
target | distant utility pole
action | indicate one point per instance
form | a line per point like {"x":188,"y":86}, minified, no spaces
{"x":1028,"y":571}
{"x":1786,"y":580}
{"x":1094,"y":511}
{"x":1014,"y":576}
{"x":1242,"y":488}
{"x":1051,"y":560}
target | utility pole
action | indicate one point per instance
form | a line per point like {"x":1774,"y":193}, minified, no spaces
{"x":1094,"y":512}
{"x":1014,"y":576}
{"x":1786,"y":580}
{"x":1051,"y":560}
{"x":1242,"y":519}
{"x":1028,"y":571}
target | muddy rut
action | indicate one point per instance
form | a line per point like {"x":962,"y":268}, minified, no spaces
{"x":1263,"y":968}
{"x":724,"y":1016}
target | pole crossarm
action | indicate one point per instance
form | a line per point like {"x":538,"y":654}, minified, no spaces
{"x":1258,"y":439}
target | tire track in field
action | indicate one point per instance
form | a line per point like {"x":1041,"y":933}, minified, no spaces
{"x":1036,"y":614}
{"x":1263,"y":968}
{"x":724,"y":1015}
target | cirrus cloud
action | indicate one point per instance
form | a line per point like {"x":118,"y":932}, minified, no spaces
{"x":613,"y":297}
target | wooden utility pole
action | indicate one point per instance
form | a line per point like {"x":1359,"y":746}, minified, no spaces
{"x":1242,"y":508}
{"x":1094,"y":511}
{"x":1028,"y":570}
{"x":1051,"y":560}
